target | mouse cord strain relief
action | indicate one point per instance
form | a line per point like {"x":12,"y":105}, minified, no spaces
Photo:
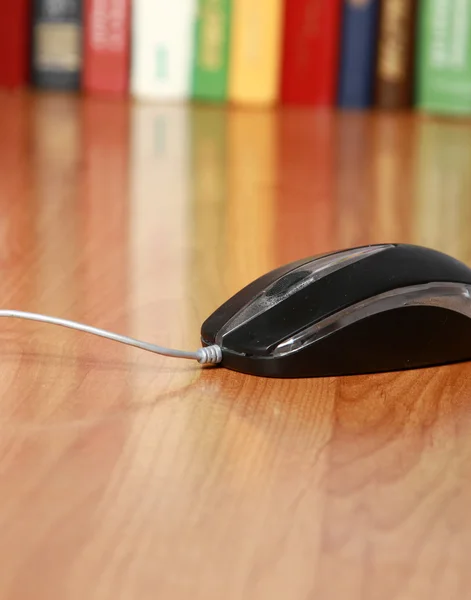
{"x":209,"y":355}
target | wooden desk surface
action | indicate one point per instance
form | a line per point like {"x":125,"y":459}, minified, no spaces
{"x":128,"y":476}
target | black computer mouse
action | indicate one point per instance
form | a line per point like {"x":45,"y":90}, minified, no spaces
{"x":369,"y":309}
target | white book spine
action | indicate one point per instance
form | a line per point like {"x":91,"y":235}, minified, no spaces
{"x":162,"y":49}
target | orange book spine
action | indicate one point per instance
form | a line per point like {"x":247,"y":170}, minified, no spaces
{"x":255,"y":51}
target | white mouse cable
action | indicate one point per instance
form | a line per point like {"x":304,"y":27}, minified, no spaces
{"x":205,"y":355}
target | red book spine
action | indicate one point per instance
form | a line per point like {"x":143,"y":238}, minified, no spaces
{"x":311,"y":40}
{"x":14,"y":42}
{"x":106,"y":46}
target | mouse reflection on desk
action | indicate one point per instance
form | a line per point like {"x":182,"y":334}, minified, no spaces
{"x":370,"y":309}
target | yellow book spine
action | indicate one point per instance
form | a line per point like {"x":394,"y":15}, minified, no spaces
{"x":255,"y":51}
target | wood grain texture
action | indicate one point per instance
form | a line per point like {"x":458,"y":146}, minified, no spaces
{"x":126,"y":475}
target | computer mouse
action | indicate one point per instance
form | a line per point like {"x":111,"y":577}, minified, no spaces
{"x":370,"y":309}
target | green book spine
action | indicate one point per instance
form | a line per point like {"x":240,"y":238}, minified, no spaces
{"x":211,"y":51}
{"x":444,"y":57}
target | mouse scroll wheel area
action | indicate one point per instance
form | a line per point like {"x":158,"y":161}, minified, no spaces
{"x":288,"y":283}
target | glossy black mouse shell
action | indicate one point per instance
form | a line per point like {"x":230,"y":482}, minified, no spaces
{"x":404,"y":337}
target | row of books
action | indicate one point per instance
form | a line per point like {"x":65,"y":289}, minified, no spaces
{"x":347,"y":53}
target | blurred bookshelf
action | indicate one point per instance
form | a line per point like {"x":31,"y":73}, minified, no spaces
{"x":340,"y":54}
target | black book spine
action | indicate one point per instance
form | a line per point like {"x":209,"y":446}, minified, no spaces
{"x":56,"y":61}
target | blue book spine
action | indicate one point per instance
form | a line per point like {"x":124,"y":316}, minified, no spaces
{"x":358,"y":53}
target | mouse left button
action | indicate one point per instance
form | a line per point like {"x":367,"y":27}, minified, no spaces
{"x":245,"y":296}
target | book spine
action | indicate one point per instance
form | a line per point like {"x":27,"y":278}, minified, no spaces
{"x":357,"y":63}
{"x":255,"y":51}
{"x":162,"y":49}
{"x":444,"y":57}
{"x":311,"y":33}
{"x":211,"y":50}
{"x":14,"y":41}
{"x":57,"y":44}
{"x":106,"y":46}
{"x":395,"y":64}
